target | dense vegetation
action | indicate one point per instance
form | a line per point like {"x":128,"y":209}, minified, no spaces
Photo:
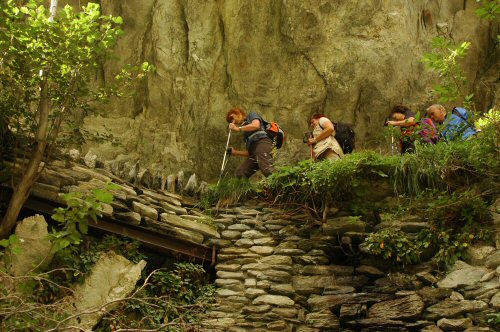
{"x":168,"y":298}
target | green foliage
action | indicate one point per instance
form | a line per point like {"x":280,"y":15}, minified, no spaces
{"x":489,"y":9}
{"x":489,"y":124}
{"x":74,"y":217}
{"x":453,"y":245}
{"x":179,"y":297}
{"x":41,"y":306}
{"x":395,"y":245}
{"x":63,"y":57}
{"x":339,"y":180}
{"x":447,"y":165}
{"x":457,"y":209}
{"x":493,"y":320}
{"x":444,"y":61}
{"x":12,"y":244}
{"x":228,"y":192}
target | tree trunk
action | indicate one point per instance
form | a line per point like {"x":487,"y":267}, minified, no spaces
{"x":22,"y":190}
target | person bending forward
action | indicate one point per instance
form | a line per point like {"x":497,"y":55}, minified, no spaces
{"x":325,"y":146}
{"x":259,"y":145}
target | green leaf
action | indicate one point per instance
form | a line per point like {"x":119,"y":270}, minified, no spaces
{"x":103,"y":196}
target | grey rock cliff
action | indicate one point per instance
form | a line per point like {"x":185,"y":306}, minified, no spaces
{"x":283,"y":58}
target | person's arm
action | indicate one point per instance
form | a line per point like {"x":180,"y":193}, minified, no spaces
{"x":327,"y":131}
{"x":253,"y":126}
{"x":240,"y":153}
{"x":403,"y":123}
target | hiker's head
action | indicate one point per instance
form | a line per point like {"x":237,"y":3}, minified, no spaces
{"x":315,"y":119}
{"x":236,"y":115}
{"x":398,"y":112}
{"x":437,"y":113}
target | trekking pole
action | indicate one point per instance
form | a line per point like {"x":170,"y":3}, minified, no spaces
{"x":224,"y":161}
{"x":392,"y":145}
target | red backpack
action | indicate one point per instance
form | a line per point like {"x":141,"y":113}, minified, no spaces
{"x":275,"y":133}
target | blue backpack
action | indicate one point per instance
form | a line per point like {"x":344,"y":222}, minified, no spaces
{"x":459,"y":125}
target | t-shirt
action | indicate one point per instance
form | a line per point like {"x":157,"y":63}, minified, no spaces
{"x":409,"y":114}
{"x":254,"y":136}
{"x":323,"y":121}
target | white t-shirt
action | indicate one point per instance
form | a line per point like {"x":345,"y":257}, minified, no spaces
{"x":323,"y":121}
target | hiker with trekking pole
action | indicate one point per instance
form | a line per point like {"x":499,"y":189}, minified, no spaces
{"x":259,"y":144}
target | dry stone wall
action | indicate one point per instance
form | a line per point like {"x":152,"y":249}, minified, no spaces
{"x":285,"y":59}
{"x":279,"y":271}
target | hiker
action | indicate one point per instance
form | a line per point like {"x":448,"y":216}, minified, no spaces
{"x":259,"y":145}
{"x":403,"y":117}
{"x":455,"y":125}
{"x":323,"y":141}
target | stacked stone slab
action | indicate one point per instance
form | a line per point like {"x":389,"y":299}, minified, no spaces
{"x":159,"y":210}
{"x":279,"y":272}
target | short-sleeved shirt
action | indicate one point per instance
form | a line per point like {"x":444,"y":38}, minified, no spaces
{"x":409,"y":114}
{"x":254,"y":136}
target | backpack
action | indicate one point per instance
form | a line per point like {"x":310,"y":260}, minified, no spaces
{"x":275,"y":133}
{"x":345,"y":136}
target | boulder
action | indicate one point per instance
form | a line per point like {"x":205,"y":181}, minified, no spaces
{"x":112,"y":278}
{"x":478,"y":254}
{"x":462,"y":275}
{"x":34,"y":247}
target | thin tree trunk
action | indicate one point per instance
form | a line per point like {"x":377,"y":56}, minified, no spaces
{"x":22,"y":190}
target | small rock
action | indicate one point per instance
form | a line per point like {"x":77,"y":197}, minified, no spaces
{"x":132,"y":218}
{"x":495,"y":301}
{"x":278,"y":300}
{"x":191,"y":185}
{"x":456,"y":324}
{"x":90,"y":159}
{"x":456,"y":296}
{"x":426,"y":278}
{"x":324,"y":319}
{"x":369,"y":270}
{"x":145,"y":210}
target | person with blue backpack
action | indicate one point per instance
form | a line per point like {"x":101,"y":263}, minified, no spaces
{"x":455,"y":126}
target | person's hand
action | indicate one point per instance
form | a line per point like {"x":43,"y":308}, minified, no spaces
{"x":311,"y":141}
{"x":234,"y":127}
{"x":391,"y":123}
{"x":229,"y":151}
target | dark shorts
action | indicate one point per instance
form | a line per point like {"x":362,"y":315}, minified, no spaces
{"x":260,"y":157}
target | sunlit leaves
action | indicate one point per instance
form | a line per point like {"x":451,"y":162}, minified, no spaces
{"x":75,"y":216}
{"x":444,"y":61}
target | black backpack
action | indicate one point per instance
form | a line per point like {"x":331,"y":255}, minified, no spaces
{"x":345,"y":136}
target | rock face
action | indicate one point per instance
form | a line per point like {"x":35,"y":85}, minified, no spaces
{"x":34,"y":248}
{"x":112,"y":278}
{"x":284,"y":59}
